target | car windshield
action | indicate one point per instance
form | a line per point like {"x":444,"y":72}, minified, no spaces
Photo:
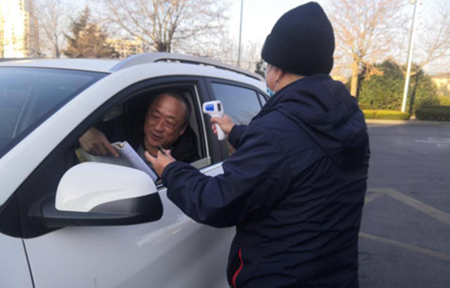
{"x":28,"y":96}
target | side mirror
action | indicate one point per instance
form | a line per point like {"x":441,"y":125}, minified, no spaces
{"x":97,"y":194}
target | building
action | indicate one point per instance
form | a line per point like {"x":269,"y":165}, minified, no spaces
{"x":339,"y":77}
{"x":127,"y":48}
{"x":442,"y":82}
{"x":18,"y":29}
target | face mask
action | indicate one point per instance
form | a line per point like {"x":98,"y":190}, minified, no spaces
{"x":269,"y":91}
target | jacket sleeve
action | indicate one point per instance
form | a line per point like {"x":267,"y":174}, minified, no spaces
{"x":254,"y":178}
{"x":235,"y":135}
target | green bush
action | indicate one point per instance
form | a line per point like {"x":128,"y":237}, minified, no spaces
{"x":381,"y":93}
{"x":444,"y":100}
{"x":386,"y":114}
{"x":433,"y":113}
{"x":384,"y":90}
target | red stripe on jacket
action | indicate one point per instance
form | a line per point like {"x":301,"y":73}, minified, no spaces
{"x":239,"y":270}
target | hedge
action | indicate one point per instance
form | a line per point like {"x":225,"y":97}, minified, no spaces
{"x":386,"y":114}
{"x":433,"y":113}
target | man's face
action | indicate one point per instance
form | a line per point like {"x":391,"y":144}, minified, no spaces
{"x":164,"y":122}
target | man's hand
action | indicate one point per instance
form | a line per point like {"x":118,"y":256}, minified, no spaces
{"x":94,"y":142}
{"x":226,"y":124}
{"x":160,"y":162}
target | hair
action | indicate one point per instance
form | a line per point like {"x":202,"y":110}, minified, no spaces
{"x":178,"y":96}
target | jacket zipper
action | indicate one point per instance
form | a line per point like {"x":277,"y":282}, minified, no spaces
{"x":239,"y":270}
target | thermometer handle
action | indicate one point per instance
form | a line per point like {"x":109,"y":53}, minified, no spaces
{"x":220,"y":133}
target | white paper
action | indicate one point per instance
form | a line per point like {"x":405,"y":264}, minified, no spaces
{"x":128,"y":157}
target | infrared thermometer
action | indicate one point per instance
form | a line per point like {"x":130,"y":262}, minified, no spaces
{"x":215,"y":109}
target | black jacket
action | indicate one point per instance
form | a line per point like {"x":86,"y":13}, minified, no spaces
{"x":294,"y":188}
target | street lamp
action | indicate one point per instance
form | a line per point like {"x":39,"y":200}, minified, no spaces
{"x":240,"y":35}
{"x":411,"y":47}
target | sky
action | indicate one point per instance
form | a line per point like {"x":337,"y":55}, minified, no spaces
{"x":259,"y":16}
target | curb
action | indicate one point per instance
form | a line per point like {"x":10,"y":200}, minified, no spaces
{"x":407,"y":122}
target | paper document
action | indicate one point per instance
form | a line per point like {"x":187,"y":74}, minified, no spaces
{"x":128,"y":157}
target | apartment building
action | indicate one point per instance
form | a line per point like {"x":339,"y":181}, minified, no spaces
{"x":442,"y":82}
{"x":18,"y":29}
{"x":127,"y":48}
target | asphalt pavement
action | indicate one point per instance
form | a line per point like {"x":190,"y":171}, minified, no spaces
{"x":405,"y":231}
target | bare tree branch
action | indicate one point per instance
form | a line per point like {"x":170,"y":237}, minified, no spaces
{"x":167,"y":24}
{"x":365,"y":29}
{"x":52,"y":16}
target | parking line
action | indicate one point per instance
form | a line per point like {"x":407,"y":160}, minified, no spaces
{"x":371,"y":197}
{"x":402,"y":245}
{"x":378,"y":190}
{"x":422,"y":207}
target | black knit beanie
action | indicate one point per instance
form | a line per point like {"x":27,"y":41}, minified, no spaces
{"x":302,"y":41}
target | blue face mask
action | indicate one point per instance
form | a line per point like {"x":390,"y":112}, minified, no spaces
{"x":270,"y":92}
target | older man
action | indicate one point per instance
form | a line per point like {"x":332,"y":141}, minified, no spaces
{"x":165,"y":125}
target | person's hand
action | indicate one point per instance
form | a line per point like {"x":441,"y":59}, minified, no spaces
{"x":160,"y":162}
{"x":226,"y":124}
{"x":94,"y":142}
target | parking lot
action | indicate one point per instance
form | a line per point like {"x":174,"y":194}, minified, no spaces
{"x":405,"y":232}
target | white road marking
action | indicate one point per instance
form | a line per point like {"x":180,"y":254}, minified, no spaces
{"x":437,"y":141}
{"x":371,"y":197}
{"x":406,"y":246}
{"x":422,"y":207}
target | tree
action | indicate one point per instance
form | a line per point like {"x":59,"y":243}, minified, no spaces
{"x":52,"y":16}
{"x":432,"y":41}
{"x":168,"y":25}
{"x":88,"y":40}
{"x":225,"y":49}
{"x":365,"y":30}
{"x":382,"y":88}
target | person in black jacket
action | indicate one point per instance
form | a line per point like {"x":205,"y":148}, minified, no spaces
{"x":295,"y":186}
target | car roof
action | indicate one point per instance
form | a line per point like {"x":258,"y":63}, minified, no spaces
{"x":112,"y":65}
{"x":93,"y":65}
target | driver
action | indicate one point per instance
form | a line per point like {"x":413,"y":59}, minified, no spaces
{"x":166,"y":125}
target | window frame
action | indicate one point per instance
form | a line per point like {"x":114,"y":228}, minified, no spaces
{"x":264,"y":96}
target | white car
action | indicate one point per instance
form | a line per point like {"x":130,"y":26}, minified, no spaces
{"x":113,"y":227}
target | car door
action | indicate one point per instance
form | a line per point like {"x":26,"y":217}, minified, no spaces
{"x":14,"y":270}
{"x":171,"y":252}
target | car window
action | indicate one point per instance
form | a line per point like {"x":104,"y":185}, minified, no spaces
{"x":145,"y":121}
{"x":28,"y":96}
{"x":241,"y":104}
